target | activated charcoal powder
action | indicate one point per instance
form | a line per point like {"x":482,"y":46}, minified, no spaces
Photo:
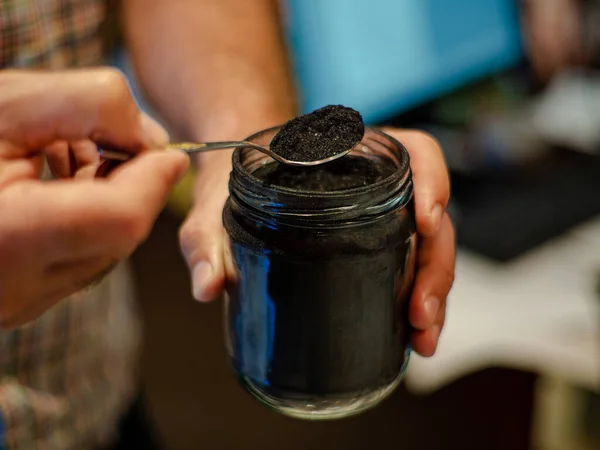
{"x":322,"y":268}
{"x":348,"y":172}
{"x":321,"y":134}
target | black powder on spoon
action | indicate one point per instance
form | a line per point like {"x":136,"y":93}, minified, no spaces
{"x":319,"y":135}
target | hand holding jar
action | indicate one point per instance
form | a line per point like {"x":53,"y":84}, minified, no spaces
{"x":323,"y":300}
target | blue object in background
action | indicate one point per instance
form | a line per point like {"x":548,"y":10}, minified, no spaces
{"x":382,"y":57}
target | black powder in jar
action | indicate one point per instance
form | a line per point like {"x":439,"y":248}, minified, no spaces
{"x":348,"y":172}
{"x":322,"y":264}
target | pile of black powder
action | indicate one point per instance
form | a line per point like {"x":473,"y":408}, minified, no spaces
{"x":345,"y":173}
{"x":319,"y":135}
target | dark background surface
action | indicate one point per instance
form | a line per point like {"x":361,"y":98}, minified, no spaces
{"x":197,"y":404}
{"x":506,"y":213}
{"x":502,"y":211}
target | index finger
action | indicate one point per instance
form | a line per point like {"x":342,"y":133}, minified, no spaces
{"x":39,"y":108}
{"x":430,"y":178}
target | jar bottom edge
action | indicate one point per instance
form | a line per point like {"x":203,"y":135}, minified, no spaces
{"x":323,"y":409}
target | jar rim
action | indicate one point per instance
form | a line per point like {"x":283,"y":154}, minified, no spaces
{"x":397,"y":176}
{"x":280,"y":204}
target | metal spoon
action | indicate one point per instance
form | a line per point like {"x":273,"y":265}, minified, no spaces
{"x":198,"y":147}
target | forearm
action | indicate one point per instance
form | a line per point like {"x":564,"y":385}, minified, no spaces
{"x":215,"y":69}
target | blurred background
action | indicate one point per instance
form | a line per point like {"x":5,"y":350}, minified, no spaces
{"x":512,"y":92}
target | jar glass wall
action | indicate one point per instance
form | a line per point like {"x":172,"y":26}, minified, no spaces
{"x":319,"y":280}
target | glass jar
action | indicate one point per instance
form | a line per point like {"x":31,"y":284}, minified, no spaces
{"x":319,"y":284}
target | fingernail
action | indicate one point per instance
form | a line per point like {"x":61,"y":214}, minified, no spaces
{"x":201,"y":275}
{"x":154,"y":132}
{"x":432,"y":307}
{"x":436,"y":216}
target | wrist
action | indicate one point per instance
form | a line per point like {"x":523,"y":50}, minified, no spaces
{"x":232,"y":126}
{"x":243,"y":116}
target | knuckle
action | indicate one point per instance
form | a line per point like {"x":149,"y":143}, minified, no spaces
{"x":184,"y":236}
{"x":188,"y":237}
{"x":114,"y":103}
{"x":431,"y":157}
{"x":192,"y":230}
{"x":447,"y":234}
{"x":112,"y":82}
{"x":426,"y":139}
{"x":447,"y":275}
{"x":116,"y":96}
{"x":193,"y":238}
{"x":424,"y":226}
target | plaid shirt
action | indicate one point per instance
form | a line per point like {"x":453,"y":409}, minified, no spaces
{"x":65,"y":378}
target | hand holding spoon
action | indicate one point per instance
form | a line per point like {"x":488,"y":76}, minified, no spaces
{"x":310,"y":140}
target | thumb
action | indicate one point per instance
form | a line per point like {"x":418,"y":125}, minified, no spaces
{"x":202,"y":235}
{"x":147,"y":179}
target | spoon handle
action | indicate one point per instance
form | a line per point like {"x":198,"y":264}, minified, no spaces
{"x":187,"y":147}
{"x":196,"y":147}
{"x":113,"y":158}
